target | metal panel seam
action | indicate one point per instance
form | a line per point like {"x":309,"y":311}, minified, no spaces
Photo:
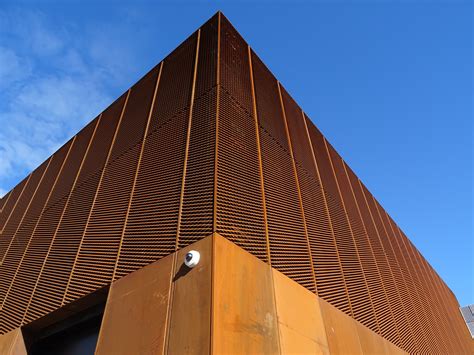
{"x":5,"y":203}
{"x":386,"y":258}
{"x":16,"y":202}
{"x":60,"y":220}
{"x":26,"y":210}
{"x":356,"y":248}
{"x":403,"y":253}
{"x":295,"y":175}
{"x":214,"y":218}
{"x":259,"y":154}
{"x":370,"y":243}
{"x":88,"y":218}
{"x":218,"y":86}
{"x":37,"y":222}
{"x":326,"y":208}
{"x":397,"y":263}
{"x":188,"y":137}
{"x":29,"y":240}
{"x":137,"y":169}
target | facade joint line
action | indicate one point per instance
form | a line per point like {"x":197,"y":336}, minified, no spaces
{"x":326,"y":208}
{"x":295,"y":175}
{"x":188,"y":138}
{"x":137,"y":169}
{"x":59,"y":222}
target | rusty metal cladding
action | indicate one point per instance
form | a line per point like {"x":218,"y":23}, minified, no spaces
{"x":347,"y":237}
{"x":208,"y":141}
{"x":10,"y":203}
{"x":21,"y":207}
{"x":26,"y":275}
{"x":239,"y":197}
{"x":161,"y":168}
{"x":197,"y":193}
{"x":56,"y":269}
{"x":365,"y":313}
{"x":45,"y":229}
{"x":3,"y":200}
{"x":11,"y":281}
{"x":85,"y":269}
{"x":287,"y":236}
{"x":329,"y":275}
{"x":375,"y":266}
{"x":16,"y":231}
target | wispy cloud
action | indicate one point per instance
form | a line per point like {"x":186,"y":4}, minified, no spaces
{"x":53,"y":80}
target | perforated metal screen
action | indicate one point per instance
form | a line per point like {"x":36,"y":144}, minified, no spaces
{"x":209,"y":141}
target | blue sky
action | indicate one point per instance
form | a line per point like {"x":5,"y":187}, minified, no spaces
{"x":390,"y":84}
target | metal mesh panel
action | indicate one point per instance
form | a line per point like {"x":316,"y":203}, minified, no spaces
{"x":288,"y":248}
{"x":109,"y":203}
{"x":288,"y":245}
{"x":300,"y":143}
{"x":239,"y":197}
{"x":234,"y":66}
{"x":25,"y":230}
{"x":21,"y":207}
{"x":153,"y":219}
{"x":10,"y":205}
{"x":196,"y":219}
{"x":268,"y":104}
{"x":370,"y":277}
{"x":403,"y":287}
{"x":46,"y":228}
{"x":430,"y":313}
{"x":387,"y":237}
{"x":363,"y":311}
{"x":3,"y":201}
{"x":152,"y":223}
{"x":446,"y":320}
{"x":15,"y":235}
{"x":327,"y":268}
{"x":207,"y":64}
{"x":387,"y":320}
{"x":347,"y":251}
{"x":369,"y":262}
{"x":174,"y":94}
{"x":90,"y":258}
{"x":104,"y":228}
{"x":15,"y":290}
{"x":55,"y":273}
{"x":63,"y":250}
{"x":135,"y":117}
{"x":100,"y":146}
{"x":198,"y":196}
{"x":399,"y":311}
{"x":452,"y":321}
{"x":415,"y":311}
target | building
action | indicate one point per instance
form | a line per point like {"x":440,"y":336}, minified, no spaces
{"x":208,"y":152}
{"x":468,"y":315}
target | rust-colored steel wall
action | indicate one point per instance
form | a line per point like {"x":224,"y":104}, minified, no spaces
{"x":209,"y":141}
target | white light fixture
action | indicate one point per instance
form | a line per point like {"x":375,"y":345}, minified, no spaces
{"x":192,"y":258}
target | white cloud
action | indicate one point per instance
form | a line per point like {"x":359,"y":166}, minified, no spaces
{"x":31,"y":27}
{"x":12,"y":67}
{"x":62,"y":98}
{"x":50,"y":87}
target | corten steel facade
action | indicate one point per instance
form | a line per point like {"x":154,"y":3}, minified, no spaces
{"x":209,"y":141}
